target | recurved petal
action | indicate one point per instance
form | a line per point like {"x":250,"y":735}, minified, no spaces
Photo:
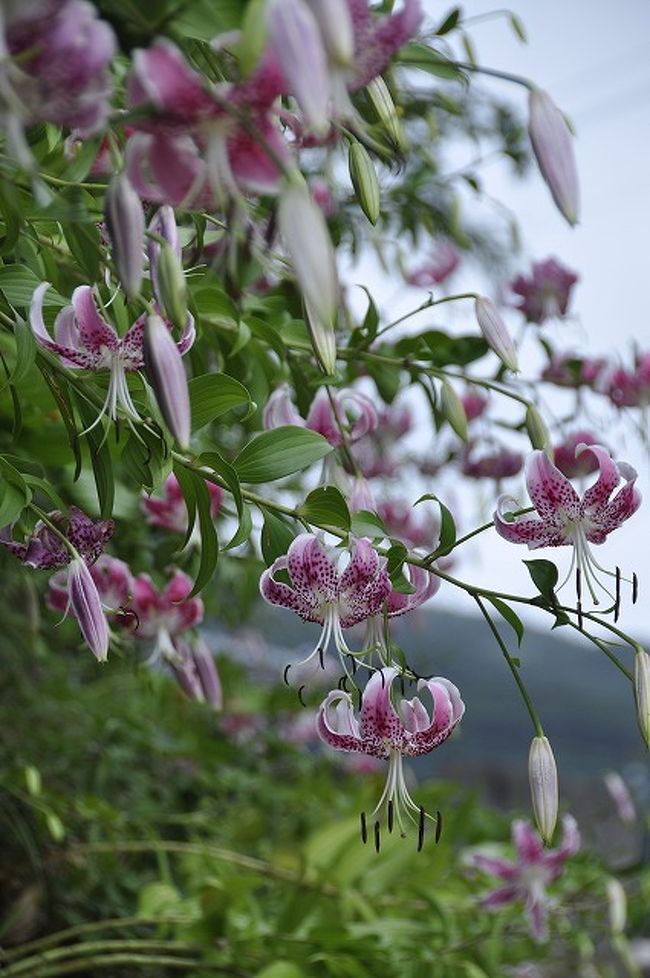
{"x":551,"y":492}
{"x":501,"y":868}
{"x":448,"y":710}
{"x":364,"y":565}
{"x":276,"y":592}
{"x":569,"y":846}
{"x":379,"y":721}
{"x":94,"y":331}
{"x":527,"y":842}
{"x":41,"y":333}
{"x":537,"y":908}
{"x":609,"y":477}
{"x":337,"y":724}
{"x":187,"y":337}
{"x":528,"y":529}
{"x":312,"y":571}
{"x":426,"y":585}
{"x":624,"y":504}
{"x":497,"y":898}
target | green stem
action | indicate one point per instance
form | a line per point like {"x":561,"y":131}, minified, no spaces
{"x":33,"y":964}
{"x":113,"y":961}
{"x":427,"y":304}
{"x":495,"y":73}
{"x":513,"y":669}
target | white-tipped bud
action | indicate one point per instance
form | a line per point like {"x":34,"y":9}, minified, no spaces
{"x":125,"y":224}
{"x":337,"y":30}
{"x":172,"y":288}
{"x":642,"y":693}
{"x":496,"y":332}
{"x":86,"y":605}
{"x":386,"y":111}
{"x":553,"y":147}
{"x":361,"y":496}
{"x":542,"y":774}
{"x":296,"y":39}
{"x":364,"y":180}
{"x":323,"y":339}
{"x":538,"y":433}
{"x":453,"y":410}
{"x":167,"y":376}
{"x":616,"y":905}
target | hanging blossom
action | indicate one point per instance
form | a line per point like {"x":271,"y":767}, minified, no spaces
{"x":573,"y":370}
{"x":84,"y":340}
{"x":576,"y":466}
{"x":384,"y":731}
{"x":414,"y":526}
{"x":161,"y":616}
{"x":628,"y":388}
{"x":45,"y":550}
{"x":348,"y":409}
{"x":425,"y":584}
{"x":565,"y":519}
{"x":500,"y":463}
{"x":546,"y":293}
{"x":439,"y":266}
{"x":527,"y":879}
{"x":196,"y":673}
{"x":113,"y":580}
{"x":54,"y":67}
{"x":169,"y":512}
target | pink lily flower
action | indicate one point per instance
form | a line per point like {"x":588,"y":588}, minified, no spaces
{"x":169,"y":512}
{"x":576,"y":466}
{"x":546,"y":293}
{"x":629,"y":388}
{"x":356,"y":413}
{"x":44,"y":550}
{"x":196,"y":672}
{"x":425,"y":585}
{"x":474,"y":404}
{"x":84,"y":340}
{"x":386,"y":732}
{"x":573,"y":370}
{"x":565,"y":519}
{"x":376,"y":41}
{"x":320,"y":591}
{"x":414,"y":526}
{"x":527,"y":879}
{"x":162,"y":616}
{"x":440,"y":265}
{"x":501,"y":463}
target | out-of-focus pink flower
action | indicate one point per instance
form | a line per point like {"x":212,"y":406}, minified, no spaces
{"x":414,"y":526}
{"x":169,"y":512}
{"x":386,"y":732}
{"x":571,"y":465}
{"x":501,"y":463}
{"x":527,"y":879}
{"x":377,"y":40}
{"x":361,"y":496}
{"x":628,"y":388}
{"x":438,"y":267}
{"x":546,"y":293}
{"x":620,"y":795}
{"x":377,"y":454}
{"x":44,"y":550}
{"x":162,"y":616}
{"x":474,"y":404}
{"x":196,"y":672}
{"x":572,"y":370}
{"x":322,"y":196}
{"x":354,"y":411}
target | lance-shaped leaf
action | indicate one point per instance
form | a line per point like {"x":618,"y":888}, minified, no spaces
{"x":275,"y":454}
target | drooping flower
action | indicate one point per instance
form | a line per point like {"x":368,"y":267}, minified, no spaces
{"x":414,"y":526}
{"x":112,"y":578}
{"x":620,"y":795}
{"x":196,"y":672}
{"x":377,"y":40}
{"x":498,"y":463}
{"x":573,"y":370}
{"x":169,"y":512}
{"x":161,"y":616}
{"x":391,"y":733}
{"x":439,"y":266}
{"x":576,"y":466}
{"x":546,"y":293}
{"x":353,"y":411}
{"x":527,"y":879}
{"x":565,"y":519}
{"x":474,"y":404}
{"x":379,"y":454}
{"x":85,"y":340}
{"x":45,"y":550}
{"x":628,"y":388}
{"x":320,"y":590}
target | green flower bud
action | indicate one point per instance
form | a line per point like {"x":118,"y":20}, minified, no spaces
{"x":453,"y":410}
{"x":172,"y":287}
{"x":364,"y":180}
{"x":542,"y":774}
{"x":540,"y":436}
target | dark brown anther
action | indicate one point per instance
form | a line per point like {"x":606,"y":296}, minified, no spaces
{"x":438,"y":826}
{"x":285,"y":674}
{"x":580,"y":620}
{"x":321,"y":658}
{"x":579,"y":585}
{"x":391,"y":814}
{"x":300,"y":696}
{"x":364,"y":828}
{"x":421,"y":830}
{"x":635,"y":588}
{"x":617,"y":600}
{"x":377,"y":836}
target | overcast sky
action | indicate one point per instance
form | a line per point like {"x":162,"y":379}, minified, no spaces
{"x":592,"y":57}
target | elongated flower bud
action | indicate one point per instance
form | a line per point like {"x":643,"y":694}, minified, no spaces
{"x":172,"y":288}
{"x":87,"y":607}
{"x":323,"y":339}
{"x":162,"y":224}
{"x":335,"y":23}
{"x":542,"y":774}
{"x":540,"y":436}
{"x":125,"y":224}
{"x":208,"y":674}
{"x":553,"y":147}
{"x":642,"y":693}
{"x":296,"y":39}
{"x":616,"y":905}
{"x":386,"y":111}
{"x":496,"y":332}
{"x":167,"y":376}
{"x":364,"y":180}
{"x":453,"y":410}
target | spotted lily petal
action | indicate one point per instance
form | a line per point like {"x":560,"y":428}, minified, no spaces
{"x":551,"y":493}
{"x":337,"y":724}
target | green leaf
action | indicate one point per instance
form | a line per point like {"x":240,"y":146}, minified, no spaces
{"x":447,"y":537}
{"x":100,"y":456}
{"x":146,"y":456}
{"x":186,"y":485}
{"x":443,"y":350}
{"x":276,"y":537}
{"x":326,"y":507}
{"x":18,"y":282}
{"x":545,"y":575}
{"x":367,"y":524}
{"x":213,"y":395}
{"x":510,"y":616}
{"x":15,"y":494}
{"x":275,"y":454}
{"x":450,"y":21}
{"x":281,"y":969}
{"x":214,"y":461}
{"x":396,"y":555}
{"x":209,"y":538}
{"x":84,"y":244}
{"x":418,"y":55}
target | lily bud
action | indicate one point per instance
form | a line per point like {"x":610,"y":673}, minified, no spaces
{"x":538,"y":433}
{"x":496,"y":332}
{"x":335,"y":23}
{"x":642,"y":693}
{"x":87,"y":607}
{"x":172,"y":288}
{"x":553,"y":147}
{"x":385,"y":108}
{"x":323,"y":339}
{"x":297,"y":42}
{"x":162,"y":224}
{"x":167,"y":376}
{"x":364,"y":180}
{"x":542,"y":774}
{"x":616,"y":905}
{"x":125,"y":224}
{"x":361,"y":496}
{"x":208,"y":674}
{"x":453,"y":410}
